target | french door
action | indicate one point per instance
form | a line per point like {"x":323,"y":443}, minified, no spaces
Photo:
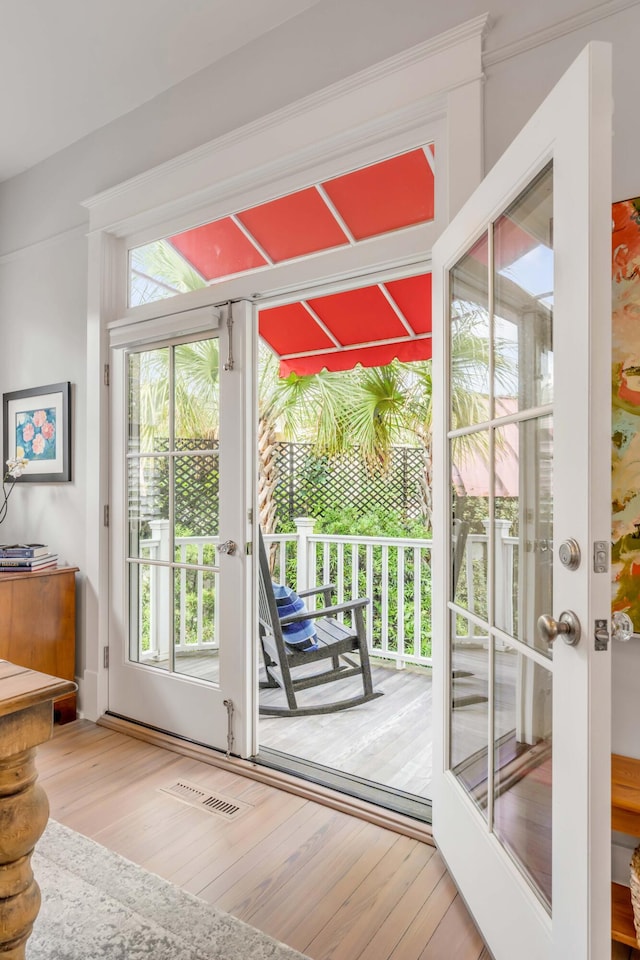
{"x":522,"y":751}
{"x":180,"y":634}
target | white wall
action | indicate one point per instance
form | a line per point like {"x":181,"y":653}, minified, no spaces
{"x":43,"y":286}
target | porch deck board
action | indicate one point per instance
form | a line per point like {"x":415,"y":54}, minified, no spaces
{"x":387,"y":740}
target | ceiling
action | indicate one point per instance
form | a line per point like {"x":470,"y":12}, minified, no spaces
{"x":72,"y":66}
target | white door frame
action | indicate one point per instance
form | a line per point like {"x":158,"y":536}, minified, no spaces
{"x":431,"y":90}
{"x":575,"y":119}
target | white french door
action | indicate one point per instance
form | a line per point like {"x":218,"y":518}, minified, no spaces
{"x":180,"y":630}
{"x":522,"y":741}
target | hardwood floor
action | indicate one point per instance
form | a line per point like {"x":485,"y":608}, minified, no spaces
{"x":327,"y":884}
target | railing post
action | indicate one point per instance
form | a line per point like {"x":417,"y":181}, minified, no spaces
{"x":304,"y":529}
{"x":502,"y":586}
{"x":161,"y":590}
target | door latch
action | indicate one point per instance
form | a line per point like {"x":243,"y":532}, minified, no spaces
{"x":229,"y":547}
{"x":601,"y":635}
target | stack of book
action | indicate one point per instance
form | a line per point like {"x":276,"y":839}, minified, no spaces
{"x":26,"y":557}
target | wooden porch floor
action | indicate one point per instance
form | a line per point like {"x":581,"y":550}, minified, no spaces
{"x":387,"y":740}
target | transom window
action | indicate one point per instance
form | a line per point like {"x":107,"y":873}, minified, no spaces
{"x":390,"y":195}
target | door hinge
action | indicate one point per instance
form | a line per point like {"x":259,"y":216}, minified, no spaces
{"x":106,"y":375}
{"x":250,"y":514}
{"x":105,"y":657}
{"x":105,"y":515}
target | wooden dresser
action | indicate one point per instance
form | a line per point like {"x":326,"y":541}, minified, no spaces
{"x":38,"y":626}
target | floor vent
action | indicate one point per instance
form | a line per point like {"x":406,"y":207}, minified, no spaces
{"x":195,"y":796}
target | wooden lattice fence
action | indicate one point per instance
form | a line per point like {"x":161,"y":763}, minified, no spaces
{"x":307,"y":485}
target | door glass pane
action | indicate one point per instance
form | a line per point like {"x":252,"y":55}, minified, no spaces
{"x":470,"y":482}
{"x":470,"y":337}
{"x":524,"y":528}
{"x":522,"y":758}
{"x":197,"y":394}
{"x":149,"y":508}
{"x":196,"y":501}
{"x":523,"y":291}
{"x":469,"y":728}
{"x":196,"y":624}
{"x":148,"y":401}
{"x":148,"y":611}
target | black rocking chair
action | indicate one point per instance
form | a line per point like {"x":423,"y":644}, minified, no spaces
{"x":335,"y":641}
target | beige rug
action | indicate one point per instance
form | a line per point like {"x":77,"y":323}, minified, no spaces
{"x":98,"y":906}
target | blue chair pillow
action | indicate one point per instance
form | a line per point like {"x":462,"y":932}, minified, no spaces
{"x":301,"y":634}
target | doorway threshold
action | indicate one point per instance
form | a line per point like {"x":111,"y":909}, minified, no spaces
{"x":397,"y":801}
{"x":408,"y":826}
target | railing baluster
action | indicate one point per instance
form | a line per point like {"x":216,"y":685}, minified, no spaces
{"x":326,"y":562}
{"x":369,"y":581}
{"x":417,"y":601}
{"x":355,"y":570}
{"x":199,"y":595}
{"x":340,"y":576}
{"x":183,"y":597}
{"x":400,"y":595}
{"x":385,"y":599}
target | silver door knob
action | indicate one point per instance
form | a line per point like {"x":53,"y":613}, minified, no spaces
{"x":229,"y":547}
{"x":566,"y":626}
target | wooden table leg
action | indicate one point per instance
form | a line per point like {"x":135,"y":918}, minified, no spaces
{"x":24,"y":810}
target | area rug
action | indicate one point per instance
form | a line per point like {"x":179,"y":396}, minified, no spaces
{"x":98,"y":906}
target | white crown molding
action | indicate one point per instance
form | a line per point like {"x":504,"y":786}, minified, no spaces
{"x":79,"y":231}
{"x":556,"y":30}
{"x":470,"y":30}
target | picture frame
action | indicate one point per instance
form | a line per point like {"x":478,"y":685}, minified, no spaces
{"x":36,"y":425}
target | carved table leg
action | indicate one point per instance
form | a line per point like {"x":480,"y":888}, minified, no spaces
{"x":24,"y":810}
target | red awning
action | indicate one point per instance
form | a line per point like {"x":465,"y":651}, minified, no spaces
{"x":371,"y":325}
{"x":377,"y":199}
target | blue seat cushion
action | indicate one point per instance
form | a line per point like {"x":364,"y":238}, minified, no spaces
{"x":301,"y":634}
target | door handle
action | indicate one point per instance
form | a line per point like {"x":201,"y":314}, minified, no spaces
{"x":566,"y":626}
{"x":229,"y":547}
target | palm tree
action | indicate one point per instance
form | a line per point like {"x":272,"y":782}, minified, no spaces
{"x":373,"y":408}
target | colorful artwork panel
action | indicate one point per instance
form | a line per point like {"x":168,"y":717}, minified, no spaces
{"x":625,"y":387}
{"x":36,"y":434}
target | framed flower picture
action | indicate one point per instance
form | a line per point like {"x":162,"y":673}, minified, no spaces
{"x":37,"y":427}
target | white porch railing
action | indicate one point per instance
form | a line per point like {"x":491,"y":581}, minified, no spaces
{"x":394,"y":572}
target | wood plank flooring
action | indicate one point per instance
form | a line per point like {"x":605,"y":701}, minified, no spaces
{"x":387,"y":740}
{"x":327,"y":884}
